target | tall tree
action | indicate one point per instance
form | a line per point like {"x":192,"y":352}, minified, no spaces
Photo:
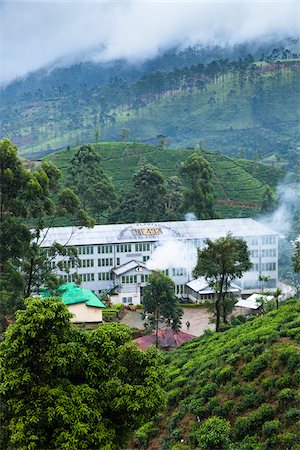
{"x":198,"y":196}
{"x":150,"y":193}
{"x":220,"y":262}
{"x":268,"y":200}
{"x":296,"y":257}
{"x":30,"y":202}
{"x":161,"y":304}
{"x":89,"y":182}
{"x":62,"y":388}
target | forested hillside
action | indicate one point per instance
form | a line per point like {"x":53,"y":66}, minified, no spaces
{"x":244,"y":107}
{"x":233,"y":390}
{"x":239,"y":185}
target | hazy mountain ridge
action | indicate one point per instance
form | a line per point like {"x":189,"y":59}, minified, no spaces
{"x":226,"y":104}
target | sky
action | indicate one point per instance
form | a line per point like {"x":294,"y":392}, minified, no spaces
{"x":41,"y":33}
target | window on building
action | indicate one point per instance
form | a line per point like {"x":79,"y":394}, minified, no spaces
{"x":268,"y":266}
{"x":268,"y":240}
{"x":105,"y":249}
{"x":104,"y":262}
{"x":142,"y":247}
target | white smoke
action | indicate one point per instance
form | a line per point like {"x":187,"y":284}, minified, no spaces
{"x":190,"y":216}
{"x":288,"y":200}
{"x":172,"y":254}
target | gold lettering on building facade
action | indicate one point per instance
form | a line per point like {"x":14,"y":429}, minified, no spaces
{"x":146,"y":231}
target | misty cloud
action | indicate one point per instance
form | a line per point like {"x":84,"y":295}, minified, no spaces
{"x":288,"y":199}
{"x":35,"y":34}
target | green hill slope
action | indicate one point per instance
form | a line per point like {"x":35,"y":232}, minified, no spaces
{"x":249,"y":375}
{"x":239,"y":184}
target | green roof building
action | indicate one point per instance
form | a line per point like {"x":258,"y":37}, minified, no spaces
{"x":85,"y":306}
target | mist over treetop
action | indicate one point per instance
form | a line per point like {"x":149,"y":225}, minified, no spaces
{"x":133,"y":31}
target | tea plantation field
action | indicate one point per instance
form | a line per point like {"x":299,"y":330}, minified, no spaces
{"x":237,"y":390}
{"x":239,"y":184}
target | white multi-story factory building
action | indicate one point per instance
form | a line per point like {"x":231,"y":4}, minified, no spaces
{"x":116,"y":256}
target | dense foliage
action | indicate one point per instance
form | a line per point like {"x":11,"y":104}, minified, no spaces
{"x":198,"y":196}
{"x":62,"y":388}
{"x":248,"y":375}
{"x":29,"y":203}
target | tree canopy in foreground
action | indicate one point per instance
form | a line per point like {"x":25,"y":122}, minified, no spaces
{"x":62,"y":388}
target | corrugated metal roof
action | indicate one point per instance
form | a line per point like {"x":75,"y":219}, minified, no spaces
{"x":254,"y":301}
{"x":71,"y":294}
{"x":158,"y":231}
{"x":201,"y":286}
{"x":129,"y":266}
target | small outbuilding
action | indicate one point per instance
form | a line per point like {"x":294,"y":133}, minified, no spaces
{"x":252,"y":304}
{"x":198,"y":290}
{"x":167,"y":339}
{"x":85,"y":306}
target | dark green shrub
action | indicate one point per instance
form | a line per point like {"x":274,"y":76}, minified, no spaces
{"x":292,"y":414}
{"x":244,"y":426}
{"x":180,"y":447}
{"x":284,"y":381}
{"x":144,"y":433}
{"x":197,"y":407}
{"x":289,"y":440}
{"x":214,"y":434}
{"x":224,"y":375}
{"x":249,"y":443}
{"x":249,"y":401}
{"x":285,"y":396}
{"x":232,"y":358}
{"x":253,"y":369}
{"x":214,"y":406}
{"x":271,"y":427}
{"x":285,"y":352}
{"x":174,"y":420}
{"x":264,"y":413}
{"x":208,"y":390}
{"x":178,"y":381}
{"x":174,"y":396}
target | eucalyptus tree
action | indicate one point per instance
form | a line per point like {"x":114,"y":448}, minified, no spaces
{"x":198,"y":196}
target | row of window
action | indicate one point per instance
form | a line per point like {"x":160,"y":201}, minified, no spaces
{"x":268,"y":240}
{"x":104,"y":276}
{"x":85,"y":250}
{"x":264,"y":266}
{"x":268,"y":252}
{"x":86,"y":263}
{"x":180,"y":271}
{"x":123,"y":248}
{"x":142,"y":247}
{"x":129,"y":279}
{"x":126,"y":300}
{"x":71,"y":278}
{"x":105,"y":248}
{"x":269,"y":266}
{"x":104,"y":262}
